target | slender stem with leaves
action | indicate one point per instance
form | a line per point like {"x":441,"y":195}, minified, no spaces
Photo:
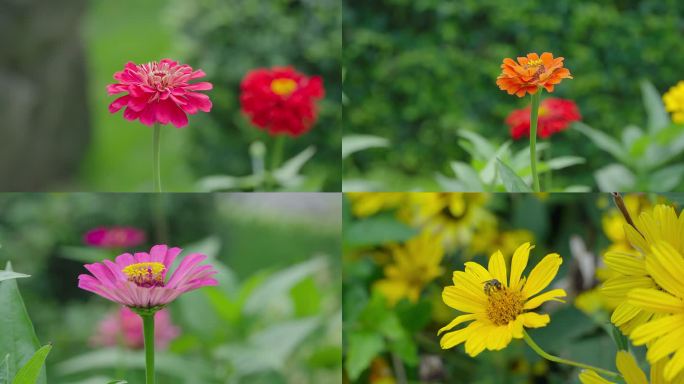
{"x":156,"y":149}
{"x":148,"y":332}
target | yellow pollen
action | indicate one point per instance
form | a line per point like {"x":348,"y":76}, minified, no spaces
{"x":504,"y":306}
{"x":534,"y":63}
{"x":148,"y":274}
{"x":283,"y":87}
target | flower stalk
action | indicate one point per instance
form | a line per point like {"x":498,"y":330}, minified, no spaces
{"x":536,"y":348}
{"x":156,"y":149}
{"x":148,"y":332}
{"x":534,"y":116}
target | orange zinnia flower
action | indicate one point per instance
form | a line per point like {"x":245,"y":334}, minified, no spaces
{"x":530,"y":73}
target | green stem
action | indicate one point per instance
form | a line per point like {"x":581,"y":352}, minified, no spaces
{"x":148,"y":331}
{"x":156,"y":144}
{"x":559,"y":360}
{"x":534,"y":114}
{"x":547,"y":176}
{"x":276,"y":158}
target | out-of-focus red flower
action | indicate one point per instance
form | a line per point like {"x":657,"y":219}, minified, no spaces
{"x":159,"y":92}
{"x":114,"y":237}
{"x":281,"y":100}
{"x":555,"y":115}
{"x":125,"y":327}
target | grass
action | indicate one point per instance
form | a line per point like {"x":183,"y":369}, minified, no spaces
{"x":117,"y":32}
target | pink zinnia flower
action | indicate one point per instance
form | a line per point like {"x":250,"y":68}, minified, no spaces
{"x":139,"y":281}
{"x":125,"y":327}
{"x":159,"y":92}
{"x":114,"y":237}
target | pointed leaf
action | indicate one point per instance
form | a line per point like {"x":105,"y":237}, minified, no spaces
{"x":288,"y":173}
{"x":615,"y":178}
{"x":511,"y":181}
{"x":6,"y":275}
{"x":29,"y":373}
{"x":657,"y":116}
{"x":356,"y":143}
{"x":604,"y":142}
{"x":468,"y":176}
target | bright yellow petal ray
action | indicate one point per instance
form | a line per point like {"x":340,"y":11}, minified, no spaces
{"x":655,"y":300}
{"x":452,"y":339}
{"x":542,"y":274}
{"x":497,"y":267}
{"x":553,"y":294}
{"x":591,"y":377}
{"x":653,"y":329}
{"x":534,"y":320}
{"x":519,"y":263}
{"x":629,"y":369}
{"x":625,"y":263}
{"x":454,"y":298}
{"x":666,"y":345}
{"x":674,"y":366}
{"x":479,"y":272}
{"x":618,"y":287}
{"x":499,"y":338}
{"x":664,"y":264}
{"x":458,"y":320}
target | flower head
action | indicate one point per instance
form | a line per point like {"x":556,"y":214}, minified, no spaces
{"x":364,"y":204}
{"x":531,"y":72}
{"x":139,"y":281}
{"x":114,"y":237}
{"x":555,"y":115}
{"x":281,"y":100}
{"x":674,"y":102}
{"x":125,"y":327}
{"x":498,"y":307}
{"x":159,"y":92}
{"x":659,"y":225}
{"x":414,"y":265}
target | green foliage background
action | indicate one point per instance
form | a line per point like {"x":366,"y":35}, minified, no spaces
{"x":418,"y":71}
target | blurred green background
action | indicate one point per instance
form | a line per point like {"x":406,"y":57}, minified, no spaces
{"x":419,"y":71}
{"x":278,"y":257}
{"x":87,"y":148}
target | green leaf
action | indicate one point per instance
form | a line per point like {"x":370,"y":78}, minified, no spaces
{"x":483,"y":149}
{"x":377,"y":230}
{"x":118,"y":382}
{"x":666,"y":179}
{"x":564,"y":162}
{"x":615,"y":178}
{"x":288,"y":173}
{"x":510,"y":179}
{"x":30,"y":372}
{"x":6,"y":275}
{"x":362,"y":348}
{"x":17,"y":337}
{"x":216,"y":183}
{"x":355,"y":143}
{"x":620,"y":340}
{"x":306,"y":298}
{"x":604,"y":142}
{"x":468,"y":176}
{"x":657,"y":116}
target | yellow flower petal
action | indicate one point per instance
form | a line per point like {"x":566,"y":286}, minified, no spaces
{"x":469,"y":283}
{"x":655,"y":301}
{"x":542,"y":274}
{"x":477,"y":341}
{"x":619,"y":287}
{"x":458,"y":320}
{"x":456,"y":299}
{"x":666,"y":345}
{"x":534,"y":320}
{"x":497,"y":268}
{"x":675,"y":365}
{"x":624,"y":313}
{"x":625,"y":263}
{"x":553,"y":294}
{"x":519,"y":263}
{"x":635,"y":238}
{"x":656,"y":328}
{"x":455,"y":338}
{"x":516,"y":327}
{"x":499,"y":338}
{"x":629,"y":369}
{"x":664,"y":264}
{"x":479,"y":272}
{"x":591,"y":377}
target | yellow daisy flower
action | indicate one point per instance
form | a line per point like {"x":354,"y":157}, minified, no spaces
{"x":499,"y":307}
{"x":664,"y":334}
{"x":631,"y":373}
{"x":674,"y":102}
{"x":650,"y":228}
{"x":414,"y":265}
{"x":454,"y":216}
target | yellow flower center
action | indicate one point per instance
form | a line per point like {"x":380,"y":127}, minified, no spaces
{"x":534,"y":63}
{"x":504,"y":305}
{"x":148,"y":274}
{"x":283,"y":87}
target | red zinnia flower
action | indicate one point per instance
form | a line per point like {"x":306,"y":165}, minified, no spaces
{"x":114,"y":237}
{"x":281,"y":100}
{"x":555,"y":115}
{"x":159,"y":92}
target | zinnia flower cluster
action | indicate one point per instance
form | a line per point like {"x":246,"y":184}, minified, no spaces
{"x":530,"y":73}
{"x":555,"y":115}
{"x":499,"y":306}
{"x":159,"y":92}
{"x":125,"y":327}
{"x":139,"y":281}
{"x":281,"y":100}
{"x":114,"y":237}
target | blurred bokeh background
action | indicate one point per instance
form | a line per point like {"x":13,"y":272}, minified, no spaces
{"x":274,"y":318}
{"x":392,"y":291}
{"x":59,"y":56}
{"x":416,"y":73}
